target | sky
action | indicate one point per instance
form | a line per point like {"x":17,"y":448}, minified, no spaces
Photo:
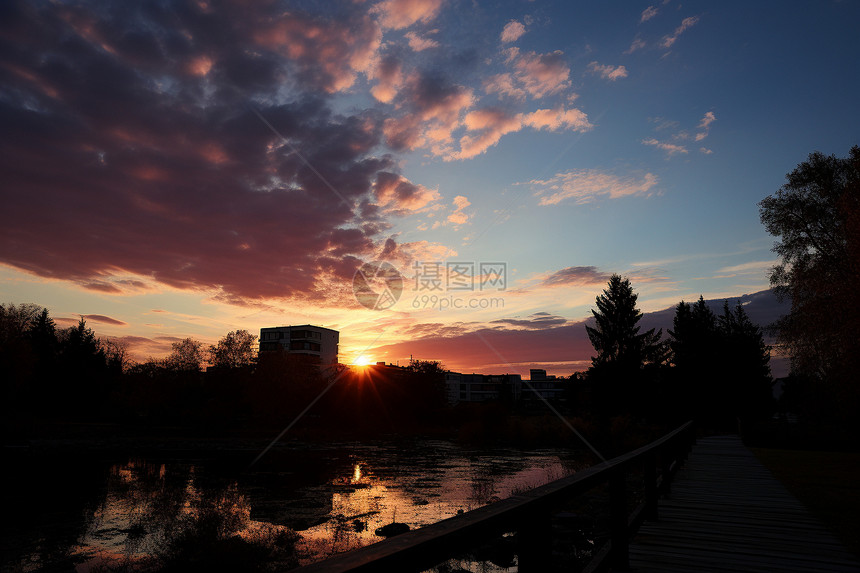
{"x":175,"y":169}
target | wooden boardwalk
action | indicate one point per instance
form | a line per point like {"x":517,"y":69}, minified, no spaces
{"x":726,"y":512}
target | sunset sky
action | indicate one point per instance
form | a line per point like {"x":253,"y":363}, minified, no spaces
{"x":174,"y":169}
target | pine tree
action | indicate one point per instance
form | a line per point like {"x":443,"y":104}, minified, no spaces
{"x":746,"y":365}
{"x":616,"y":336}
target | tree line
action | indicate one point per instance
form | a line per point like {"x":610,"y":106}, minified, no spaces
{"x":716,"y":366}
{"x":52,"y":375}
{"x":711,"y":367}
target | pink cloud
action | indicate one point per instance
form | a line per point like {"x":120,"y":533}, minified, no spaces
{"x":459,"y":217}
{"x":669,"y":148}
{"x":419,"y":43}
{"x":395,"y":192}
{"x":587,"y":185}
{"x":432,"y":110}
{"x":512,"y":32}
{"x":607,"y":72}
{"x":705,"y":125}
{"x":102,"y":319}
{"x":686,"y":24}
{"x":479,"y":350}
{"x":647,"y":14}
{"x":541,"y":74}
{"x":558,"y":118}
{"x":504,"y":84}
{"x":389,"y":79}
{"x":636,"y":44}
{"x":577,"y":276}
{"x":492,"y":125}
{"x":399,"y":14}
{"x":328,"y":53}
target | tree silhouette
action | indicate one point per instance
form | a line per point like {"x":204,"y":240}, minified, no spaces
{"x":816,"y":216}
{"x":745,"y":361}
{"x":616,"y":336}
{"x":234,"y":350}
{"x":693,"y":336}
{"x":185,"y":356}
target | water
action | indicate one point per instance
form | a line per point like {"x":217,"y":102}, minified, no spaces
{"x":87,"y":512}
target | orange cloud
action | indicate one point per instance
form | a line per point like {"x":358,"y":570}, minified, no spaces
{"x":458,"y":217}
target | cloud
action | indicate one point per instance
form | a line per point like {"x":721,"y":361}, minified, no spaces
{"x":636,"y":44}
{"x":606,"y":72}
{"x":752,"y":267}
{"x":535,"y":321}
{"x":419,"y":43}
{"x":505,"y":84}
{"x":478,"y":349}
{"x":576,"y":276}
{"x":141,"y":348}
{"x":705,"y":125}
{"x":535,"y":75}
{"x":705,"y":150}
{"x":395,"y":192}
{"x":558,"y":118}
{"x":647,"y":14}
{"x":102,"y":319}
{"x":670,"y":148}
{"x":491,"y":125}
{"x":459,"y":217}
{"x":399,"y":14}
{"x":487,"y":126}
{"x":587,"y":185}
{"x":164,"y":175}
{"x":324,"y":52}
{"x":512,"y":32}
{"x":540,"y":74}
{"x":433,"y":108}
{"x":389,"y":74}
{"x":686,"y":24}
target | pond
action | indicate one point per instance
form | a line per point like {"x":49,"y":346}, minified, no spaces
{"x":100,"y":512}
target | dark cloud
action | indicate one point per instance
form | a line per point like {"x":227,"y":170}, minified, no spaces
{"x":577,"y":276}
{"x":129,"y":146}
{"x":100,"y":318}
{"x":537,"y":320}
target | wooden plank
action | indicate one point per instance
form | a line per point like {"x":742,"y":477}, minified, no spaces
{"x":726,"y":512}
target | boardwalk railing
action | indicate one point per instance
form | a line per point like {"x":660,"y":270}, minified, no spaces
{"x":529,"y":514}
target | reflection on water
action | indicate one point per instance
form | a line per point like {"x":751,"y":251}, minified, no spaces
{"x":334,"y":497}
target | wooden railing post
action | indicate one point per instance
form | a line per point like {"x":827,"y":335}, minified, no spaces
{"x":534,"y":543}
{"x":651,"y":487}
{"x":618,"y":520}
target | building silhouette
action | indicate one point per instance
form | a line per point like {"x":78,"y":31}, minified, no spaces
{"x":320,"y":343}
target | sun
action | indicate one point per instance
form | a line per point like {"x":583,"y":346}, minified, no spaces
{"x":363,"y":360}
